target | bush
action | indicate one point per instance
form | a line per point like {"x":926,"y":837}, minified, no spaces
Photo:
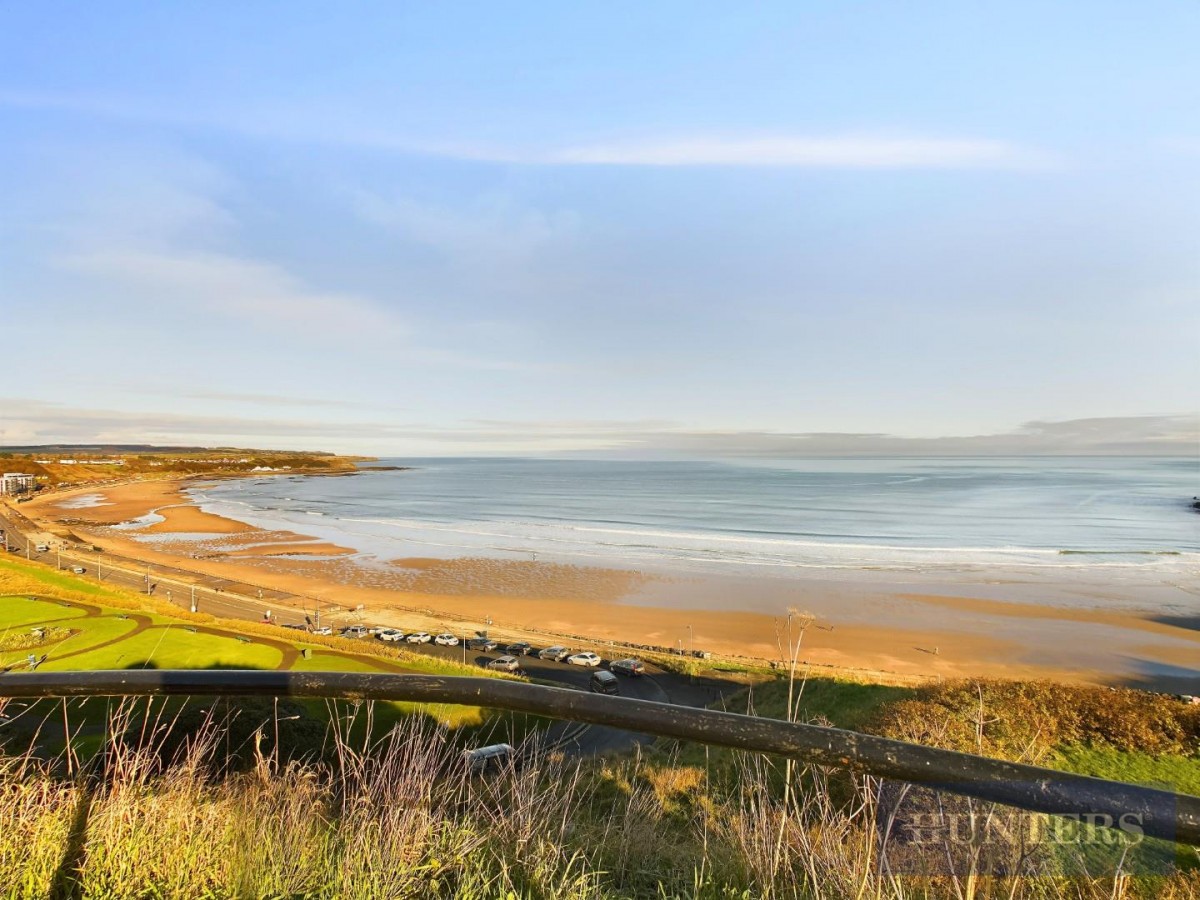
{"x":1013,"y":719}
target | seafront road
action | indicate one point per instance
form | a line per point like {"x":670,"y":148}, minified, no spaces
{"x":233,"y":600}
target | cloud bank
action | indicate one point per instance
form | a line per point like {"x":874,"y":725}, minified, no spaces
{"x":30,"y":422}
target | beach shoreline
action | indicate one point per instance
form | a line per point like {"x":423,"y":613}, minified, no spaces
{"x":955,"y":630}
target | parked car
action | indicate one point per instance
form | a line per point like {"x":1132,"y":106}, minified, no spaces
{"x":324,"y":629}
{"x":42,"y":548}
{"x":482,"y":643}
{"x":586,"y":658}
{"x":78,"y":570}
{"x":557,"y":654}
{"x":488,"y":759}
{"x":390,"y":634}
{"x":630,"y":667}
{"x":354,"y":631}
{"x":419,"y":637}
{"x":505,"y":664}
{"x":520,"y":648}
{"x":446,"y":640}
{"x":603,"y":682}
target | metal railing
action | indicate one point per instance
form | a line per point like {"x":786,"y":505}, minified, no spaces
{"x":1158,"y":813}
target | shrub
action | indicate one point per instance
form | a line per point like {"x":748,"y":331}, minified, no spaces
{"x":1014,"y":719}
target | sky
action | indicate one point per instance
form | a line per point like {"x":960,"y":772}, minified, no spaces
{"x":602,"y":228}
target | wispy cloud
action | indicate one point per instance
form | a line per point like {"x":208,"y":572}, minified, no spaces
{"x":273,"y":401}
{"x":801,"y":151}
{"x":864,"y":150}
{"x":492,"y":231}
{"x":260,"y":293}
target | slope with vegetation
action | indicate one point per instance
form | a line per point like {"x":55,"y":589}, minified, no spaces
{"x":209,"y":799}
{"x":75,"y":467}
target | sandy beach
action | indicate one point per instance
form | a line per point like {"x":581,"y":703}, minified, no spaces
{"x":902,"y":630}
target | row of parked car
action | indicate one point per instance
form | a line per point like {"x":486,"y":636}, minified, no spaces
{"x":509,"y":662}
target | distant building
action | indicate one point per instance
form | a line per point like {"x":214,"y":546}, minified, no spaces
{"x":12,"y":483}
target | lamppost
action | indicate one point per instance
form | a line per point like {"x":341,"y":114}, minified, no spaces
{"x":193,"y":598}
{"x":691,"y":642}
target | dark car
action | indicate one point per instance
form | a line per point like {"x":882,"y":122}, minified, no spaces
{"x":603,"y":682}
{"x":628,"y":667}
{"x":520,"y":648}
{"x":481,"y":643}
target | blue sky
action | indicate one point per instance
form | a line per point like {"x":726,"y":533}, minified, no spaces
{"x":647,"y":228}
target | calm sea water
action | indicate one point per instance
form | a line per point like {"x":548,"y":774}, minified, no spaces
{"x":814,"y":513}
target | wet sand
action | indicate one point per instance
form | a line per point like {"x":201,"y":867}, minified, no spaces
{"x":907,"y":631}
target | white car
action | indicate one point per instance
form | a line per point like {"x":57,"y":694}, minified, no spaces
{"x":446,"y":640}
{"x":419,"y":637}
{"x":390,"y":634}
{"x":324,"y":629}
{"x":586,"y":658}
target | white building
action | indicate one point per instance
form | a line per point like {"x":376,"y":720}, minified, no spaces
{"x":15,"y":483}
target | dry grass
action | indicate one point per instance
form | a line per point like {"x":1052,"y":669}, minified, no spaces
{"x":396,"y":817}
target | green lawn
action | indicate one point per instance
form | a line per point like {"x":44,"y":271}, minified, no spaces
{"x":23,"y":613}
{"x":333,"y":662}
{"x":173,"y":647}
{"x":119,"y":639}
{"x":166,"y":643}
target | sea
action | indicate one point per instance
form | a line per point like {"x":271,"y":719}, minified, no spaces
{"x":765,"y":516}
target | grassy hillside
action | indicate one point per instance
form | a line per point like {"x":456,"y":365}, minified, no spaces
{"x":182,"y":799}
{"x":85,"y":626}
{"x":395,"y":818}
{"x":68,"y":467}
